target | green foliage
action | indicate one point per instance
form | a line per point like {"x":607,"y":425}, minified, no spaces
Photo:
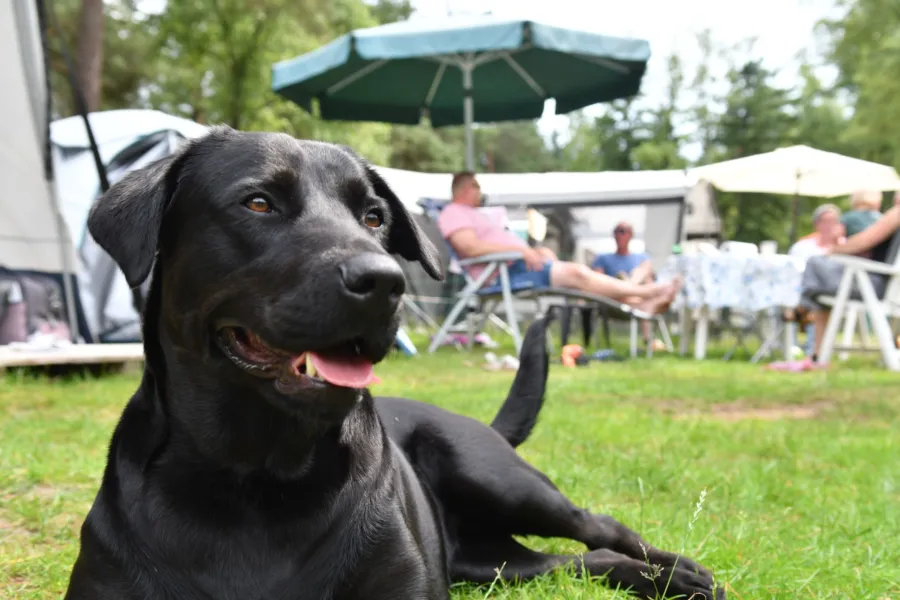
{"x":755,"y":120}
{"x":865,"y":47}
{"x":210,"y":60}
{"x":628,"y":136}
{"x":422,"y":148}
{"x":391,"y":11}
{"x":128,"y":38}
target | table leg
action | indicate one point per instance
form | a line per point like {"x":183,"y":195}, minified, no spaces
{"x":702,"y":334}
{"x":790,"y":334}
{"x":685,"y":326}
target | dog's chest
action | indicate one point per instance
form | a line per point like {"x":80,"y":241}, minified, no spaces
{"x":350,"y":556}
{"x":326,"y":568}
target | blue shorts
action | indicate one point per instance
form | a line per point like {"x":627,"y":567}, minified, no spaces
{"x":521,"y":278}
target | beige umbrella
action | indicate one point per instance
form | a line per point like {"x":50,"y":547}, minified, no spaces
{"x":801,"y":171}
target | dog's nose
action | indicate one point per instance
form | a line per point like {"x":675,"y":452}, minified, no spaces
{"x":373,"y":280}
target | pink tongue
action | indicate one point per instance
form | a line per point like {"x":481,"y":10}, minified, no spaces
{"x":352,"y":373}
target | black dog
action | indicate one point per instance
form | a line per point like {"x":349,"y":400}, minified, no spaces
{"x":251,"y":463}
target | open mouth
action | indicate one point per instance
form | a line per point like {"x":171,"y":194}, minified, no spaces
{"x":341,"y":366}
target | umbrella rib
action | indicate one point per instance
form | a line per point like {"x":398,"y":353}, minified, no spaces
{"x":434,"y":84}
{"x":603,"y":62}
{"x":473,"y":59}
{"x":355,"y":76}
{"x":524,"y":75}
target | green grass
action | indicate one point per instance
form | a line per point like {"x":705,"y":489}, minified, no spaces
{"x":802,"y":506}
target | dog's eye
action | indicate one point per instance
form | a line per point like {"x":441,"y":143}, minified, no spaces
{"x":374,"y":219}
{"x":259,"y":205}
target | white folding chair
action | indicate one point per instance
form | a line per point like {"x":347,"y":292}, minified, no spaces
{"x":880,"y":310}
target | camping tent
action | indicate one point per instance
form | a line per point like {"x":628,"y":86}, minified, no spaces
{"x":32,"y":235}
{"x":126,"y":140}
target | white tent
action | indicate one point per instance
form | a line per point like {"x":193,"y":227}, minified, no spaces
{"x":116,"y":132}
{"x":126,"y":140}
{"x":32,"y":235}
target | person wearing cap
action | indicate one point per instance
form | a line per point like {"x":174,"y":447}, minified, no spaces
{"x":828,"y":230}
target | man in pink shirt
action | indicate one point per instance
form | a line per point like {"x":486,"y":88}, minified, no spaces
{"x":471,"y":233}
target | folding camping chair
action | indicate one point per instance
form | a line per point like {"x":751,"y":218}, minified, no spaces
{"x":880,"y":310}
{"x":481,"y":296}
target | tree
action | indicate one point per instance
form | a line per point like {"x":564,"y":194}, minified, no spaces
{"x":127,"y":59}
{"x":421,"y":148}
{"x":630,"y":136}
{"x":756,"y":119}
{"x":515,"y":147}
{"x":605,"y":142}
{"x":391,"y":11}
{"x":216,"y":56}
{"x":865,"y":46}
{"x":661,"y":147}
{"x":702,"y":113}
{"x":90,"y":52}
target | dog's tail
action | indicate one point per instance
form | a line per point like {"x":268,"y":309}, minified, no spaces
{"x":519,"y":412}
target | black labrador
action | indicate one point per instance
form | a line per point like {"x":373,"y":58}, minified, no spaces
{"x":251,"y":463}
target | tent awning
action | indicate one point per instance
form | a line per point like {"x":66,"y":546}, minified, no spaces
{"x":546,"y":190}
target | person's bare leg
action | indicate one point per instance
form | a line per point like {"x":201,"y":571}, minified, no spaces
{"x":658,"y":304}
{"x":643,"y":273}
{"x":580,"y":277}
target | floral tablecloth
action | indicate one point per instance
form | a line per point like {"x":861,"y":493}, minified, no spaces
{"x":750,"y":283}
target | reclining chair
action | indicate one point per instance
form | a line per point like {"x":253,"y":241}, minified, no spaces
{"x":482,"y":295}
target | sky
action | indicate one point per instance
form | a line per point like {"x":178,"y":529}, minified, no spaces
{"x":782,"y":28}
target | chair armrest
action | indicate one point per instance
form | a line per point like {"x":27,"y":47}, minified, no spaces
{"x":489,"y":258}
{"x":865,"y":264}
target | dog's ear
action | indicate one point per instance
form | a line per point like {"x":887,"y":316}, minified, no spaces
{"x":126,"y":220}
{"x":406,"y":238}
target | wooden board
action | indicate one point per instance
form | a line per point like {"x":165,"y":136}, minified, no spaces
{"x":71,"y":355}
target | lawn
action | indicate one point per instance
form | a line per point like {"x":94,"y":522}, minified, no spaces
{"x":799,"y":474}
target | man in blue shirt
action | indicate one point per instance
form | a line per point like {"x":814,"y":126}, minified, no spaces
{"x":622,"y":263}
{"x":625,"y":265}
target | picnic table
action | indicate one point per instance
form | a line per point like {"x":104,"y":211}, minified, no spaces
{"x":743,"y":283}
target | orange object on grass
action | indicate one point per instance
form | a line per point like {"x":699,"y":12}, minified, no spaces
{"x":569,"y":353}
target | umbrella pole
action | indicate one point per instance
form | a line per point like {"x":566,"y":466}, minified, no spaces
{"x":795,"y":207}
{"x":468,"y":114}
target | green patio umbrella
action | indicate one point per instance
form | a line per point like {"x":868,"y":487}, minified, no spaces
{"x":461,"y":70}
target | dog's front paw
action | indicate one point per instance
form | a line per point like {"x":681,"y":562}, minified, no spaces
{"x":684,"y":584}
{"x":671,"y":560}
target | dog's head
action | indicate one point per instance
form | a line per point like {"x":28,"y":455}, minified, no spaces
{"x":272,"y":258}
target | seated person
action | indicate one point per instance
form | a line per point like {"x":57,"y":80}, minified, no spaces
{"x":865,"y":210}
{"x":471,"y":234}
{"x":624,"y":264}
{"x":823,"y":275}
{"x":827,"y":220}
{"x":828,"y":231}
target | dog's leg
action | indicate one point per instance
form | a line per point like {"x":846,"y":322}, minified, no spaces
{"x":508,"y":496}
{"x":485,"y":559}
